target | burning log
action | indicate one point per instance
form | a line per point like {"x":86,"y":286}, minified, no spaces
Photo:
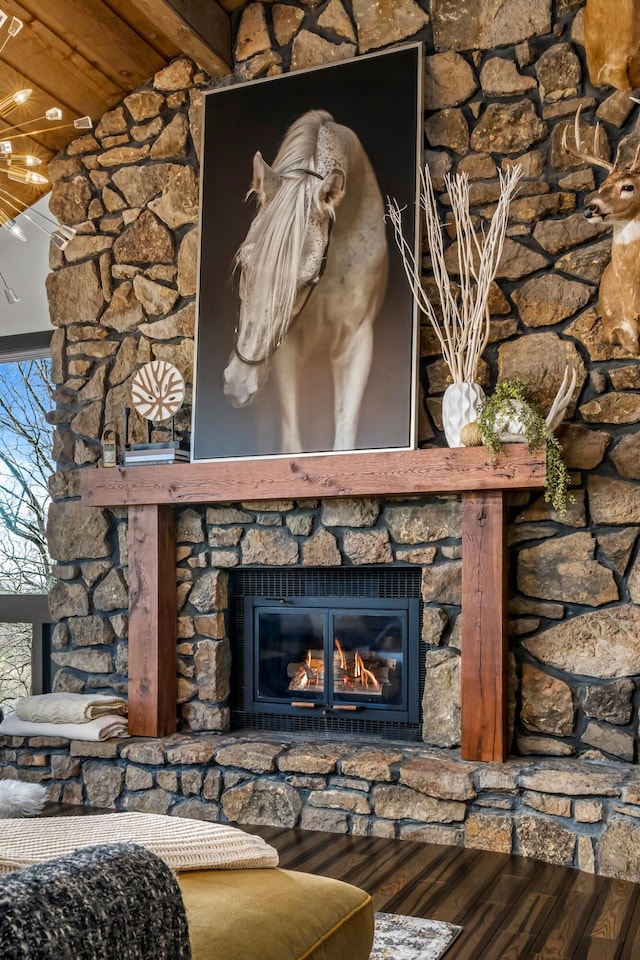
{"x":354,"y":672}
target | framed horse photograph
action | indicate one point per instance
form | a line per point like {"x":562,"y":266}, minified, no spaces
{"x":306,"y":335}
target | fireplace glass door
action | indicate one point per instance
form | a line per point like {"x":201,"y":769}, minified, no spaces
{"x":336,"y":656}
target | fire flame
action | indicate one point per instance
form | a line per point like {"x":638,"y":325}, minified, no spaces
{"x":310,"y":675}
{"x":366,"y":676}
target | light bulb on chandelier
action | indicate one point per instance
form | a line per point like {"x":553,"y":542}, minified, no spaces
{"x":10,"y":294}
{"x":19,"y":167}
{"x":14,"y":229}
{"x":14,"y":28}
{"x":60,"y":235}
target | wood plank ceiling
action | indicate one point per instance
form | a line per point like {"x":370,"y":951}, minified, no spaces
{"x":85,"y":56}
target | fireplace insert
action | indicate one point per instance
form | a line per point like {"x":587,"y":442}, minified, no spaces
{"x":328,"y":661}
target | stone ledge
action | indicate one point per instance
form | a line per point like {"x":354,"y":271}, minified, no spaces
{"x":579,"y":813}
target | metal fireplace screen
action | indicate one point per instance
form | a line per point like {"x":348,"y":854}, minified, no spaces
{"x":327,"y":650}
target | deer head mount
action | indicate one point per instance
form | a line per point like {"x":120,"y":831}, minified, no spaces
{"x":616,"y":203}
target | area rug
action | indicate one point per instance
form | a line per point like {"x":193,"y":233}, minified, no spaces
{"x":411,"y":938}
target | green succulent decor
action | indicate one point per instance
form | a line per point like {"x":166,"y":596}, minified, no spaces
{"x":509,"y":414}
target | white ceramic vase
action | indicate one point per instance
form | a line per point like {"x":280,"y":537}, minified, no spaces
{"x":459,"y":406}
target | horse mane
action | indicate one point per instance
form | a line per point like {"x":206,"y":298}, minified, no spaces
{"x":277,"y":233}
{"x":301,"y":140}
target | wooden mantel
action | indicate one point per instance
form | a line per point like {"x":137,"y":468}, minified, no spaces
{"x":151,"y":493}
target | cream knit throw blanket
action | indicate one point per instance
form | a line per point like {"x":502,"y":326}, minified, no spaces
{"x":102,"y":728}
{"x":67,"y":707}
{"x":182,"y":844}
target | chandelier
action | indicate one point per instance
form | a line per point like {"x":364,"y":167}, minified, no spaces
{"x":26,"y":168}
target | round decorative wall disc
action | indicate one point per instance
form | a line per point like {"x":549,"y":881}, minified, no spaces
{"x":157,"y":390}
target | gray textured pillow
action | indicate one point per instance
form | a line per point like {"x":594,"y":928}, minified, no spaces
{"x":114,"y":902}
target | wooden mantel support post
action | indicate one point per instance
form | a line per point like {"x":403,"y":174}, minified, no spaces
{"x":483,"y":671}
{"x":152,"y":493}
{"x":153,"y":687}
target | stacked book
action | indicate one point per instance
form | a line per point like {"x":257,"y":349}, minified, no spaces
{"x":151,"y":454}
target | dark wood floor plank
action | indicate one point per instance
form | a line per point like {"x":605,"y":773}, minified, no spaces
{"x":596,"y":948}
{"x":612,"y":919}
{"x":460,"y":897}
{"x":482,"y":923}
{"x":589,"y":883}
{"x":551,"y":880}
{"x":453,"y":866}
{"x":270,"y":834}
{"x":426,"y":894}
{"x":296,"y":848}
{"x":419,"y":901}
{"x":314,"y":852}
{"x":344,"y":867}
{"x":522,"y":867}
{"x":510,"y":946}
{"x":299,"y":846}
{"x":72,"y":810}
{"x":423,"y":862}
{"x":631,"y":946}
{"x":379,"y":876}
{"x":504,"y":889}
{"x":418,"y":898}
{"x":564,"y":929}
{"x":529,"y":914}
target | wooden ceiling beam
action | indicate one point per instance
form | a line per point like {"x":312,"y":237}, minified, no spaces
{"x":101,"y":37}
{"x":146,"y":29}
{"x":201,"y":30}
{"x":231,"y":5}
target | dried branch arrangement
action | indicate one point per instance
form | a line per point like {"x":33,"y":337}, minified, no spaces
{"x":463,"y":327}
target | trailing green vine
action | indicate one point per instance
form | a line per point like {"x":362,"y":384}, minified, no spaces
{"x":510,"y":402}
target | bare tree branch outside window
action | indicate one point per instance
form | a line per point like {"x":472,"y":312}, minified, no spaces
{"x":25,"y":465}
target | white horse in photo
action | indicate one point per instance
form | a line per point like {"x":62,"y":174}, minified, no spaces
{"x":313,"y":269}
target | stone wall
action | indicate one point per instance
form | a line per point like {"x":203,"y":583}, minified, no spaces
{"x":124,"y":293}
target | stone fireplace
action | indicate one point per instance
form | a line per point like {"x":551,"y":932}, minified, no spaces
{"x":123,"y":293}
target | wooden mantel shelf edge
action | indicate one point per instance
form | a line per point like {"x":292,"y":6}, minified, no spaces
{"x":152,"y":493}
{"x":388,"y":473}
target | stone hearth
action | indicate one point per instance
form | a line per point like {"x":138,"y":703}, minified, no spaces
{"x":569,"y":812}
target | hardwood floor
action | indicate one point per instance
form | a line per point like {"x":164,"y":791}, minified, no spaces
{"x":510,"y":908}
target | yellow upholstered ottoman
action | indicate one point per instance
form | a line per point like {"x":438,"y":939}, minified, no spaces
{"x":275,"y":915}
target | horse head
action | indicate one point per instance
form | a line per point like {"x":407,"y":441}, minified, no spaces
{"x":280,"y":261}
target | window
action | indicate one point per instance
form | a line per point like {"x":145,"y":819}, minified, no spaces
{"x":25,"y":465}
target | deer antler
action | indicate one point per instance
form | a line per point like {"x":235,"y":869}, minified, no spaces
{"x":563,"y":398}
{"x":636,"y":160}
{"x":579,"y":153}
